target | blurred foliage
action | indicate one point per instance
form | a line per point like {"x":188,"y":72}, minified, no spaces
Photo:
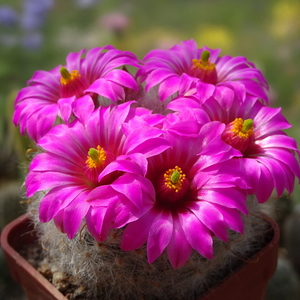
{"x":266,"y":32}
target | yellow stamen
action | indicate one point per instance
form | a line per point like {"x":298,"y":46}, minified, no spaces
{"x":174,"y":178}
{"x":96,"y":157}
{"x":242,"y":128}
{"x":67,"y":77}
{"x":203,"y":65}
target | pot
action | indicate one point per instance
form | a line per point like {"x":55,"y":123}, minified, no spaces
{"x":13,"y":237}
{"x":248,"y":282}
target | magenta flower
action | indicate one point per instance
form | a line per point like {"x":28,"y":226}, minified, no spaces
{"x":91,"y":162}
{"x":269,"y":155}
{"x":51,"y":94}
{"x":198,"y":194}
{"x":166,"y":68}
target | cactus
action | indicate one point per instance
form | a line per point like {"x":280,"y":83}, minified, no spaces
{"x":104,"y":271}
{"x":152,"y":201}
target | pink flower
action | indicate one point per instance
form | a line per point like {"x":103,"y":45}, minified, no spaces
{"x":115,"y":21}
{"x":198,"y":194}
{"x":52,"y":94}
{"x":269,"y":155}
{"x":166,"y":68}
{"x":84,"y":167}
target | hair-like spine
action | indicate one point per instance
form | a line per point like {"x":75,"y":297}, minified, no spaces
{"x":108,"y":272}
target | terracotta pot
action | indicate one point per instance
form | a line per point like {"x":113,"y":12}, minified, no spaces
{"x":249,"y":282}
{"x":13,"y":237}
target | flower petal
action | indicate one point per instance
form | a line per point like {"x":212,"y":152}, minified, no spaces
{"x":160,"y":234}
{"x":197,"y":235}
{"x":179,"y":250}
{"x":136,"y":233}
{"x":211,"y":218}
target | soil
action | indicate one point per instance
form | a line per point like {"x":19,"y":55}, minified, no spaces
{"x":64,"y":283}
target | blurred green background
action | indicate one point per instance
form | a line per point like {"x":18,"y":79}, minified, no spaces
{"x":34,"y":37}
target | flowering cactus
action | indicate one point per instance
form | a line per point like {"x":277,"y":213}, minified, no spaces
{"x":159,"y":192}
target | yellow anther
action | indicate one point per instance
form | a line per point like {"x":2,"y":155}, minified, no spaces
{"x":242,"y":128}
{"x":96,"y":157}
{"x":174,"y":178}
{"x":67,"y":77}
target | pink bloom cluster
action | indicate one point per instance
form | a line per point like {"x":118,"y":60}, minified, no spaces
{"x":173,"y":180}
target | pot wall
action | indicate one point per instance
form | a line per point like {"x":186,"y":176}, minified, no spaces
{"x":251,"y":281}
{"x":35,"y":285}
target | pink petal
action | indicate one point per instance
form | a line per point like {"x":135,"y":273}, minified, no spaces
{"x":65,"y":108}
{"x":136,"y":188}
{"x":56,"y":199}
{"x":278,"y":173}
{"x":74,"y":60}
{"x":41,"y":122}
{"x":232,"y":217}
{"x":229,"y":197}
{"x":277,"y":141}
{"x":107,"y":89}
{"x":47,"y":180}
{"x":168,"y":87}
{"x":211,"y":218}
{"x":254,"y":88}
{"x":74,"y":214}
{"x":96,"y":225}
{"x":179,"y":250}
{"x":50,"y":79}
{"x":122,"y":78}
{"x":197,"y":235}
{"x":136,"y":233}
{"x":160,"y":235}
{"x":286,"y":157}
{"x":156,"y":77}
{"x":269,"y":120}
{"x":146,"y":142}
{"x":121,"y":165}
{"x":83,"y":108}
{"x":102,"y":196}
{"x":260,"y":179}
{"x":137,"y":158}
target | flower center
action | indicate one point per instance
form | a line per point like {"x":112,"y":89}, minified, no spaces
{"x":72,"y":84}
{"x":239,"y":134}
{"x":242,"y":128}
{"x":96,"y":158}
{"x":174,"y":179}
{"x":171,"y":186}
{"x":67,"y":77}
{"x":204,"y":69}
